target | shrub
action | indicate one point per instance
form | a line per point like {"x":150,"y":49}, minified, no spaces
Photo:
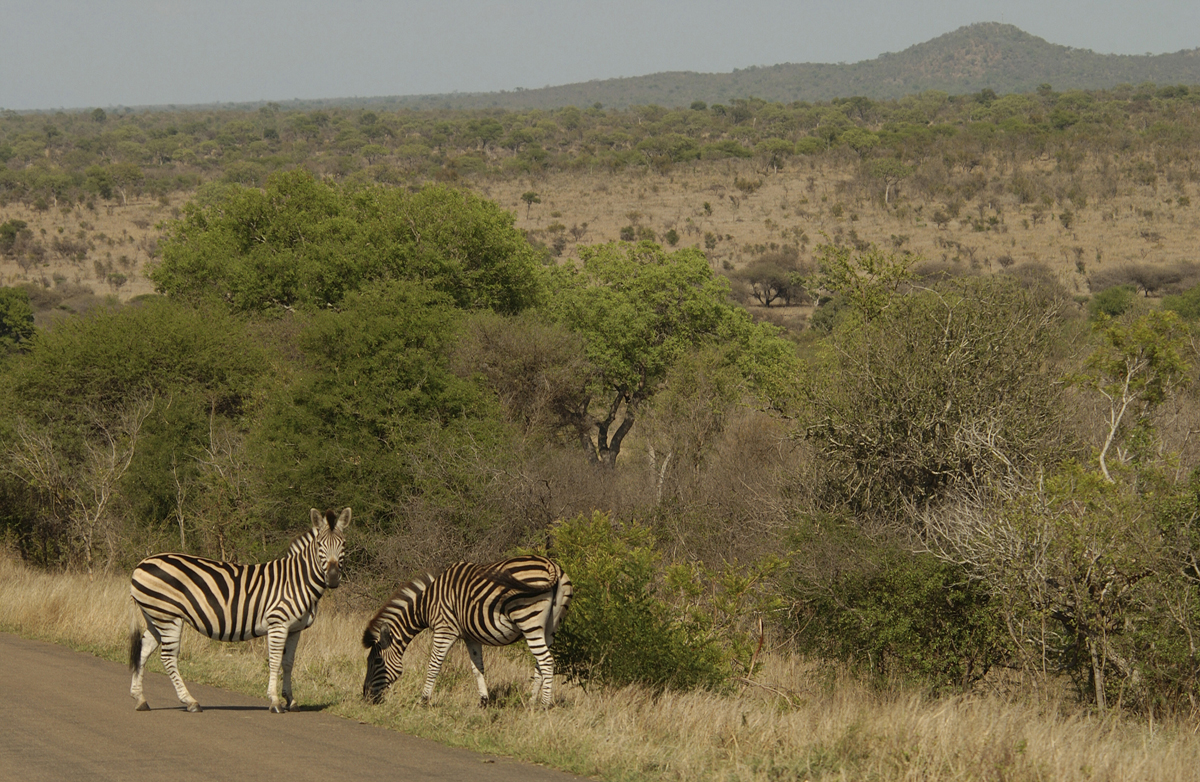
{"x":1186,"y":304}
{"x":1113,"y":302}
{"x":619,"y":631}
{"x":932,"y":388}
{"x":896,"y":614}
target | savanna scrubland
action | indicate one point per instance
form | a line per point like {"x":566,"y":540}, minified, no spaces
{"x":867,"y":425}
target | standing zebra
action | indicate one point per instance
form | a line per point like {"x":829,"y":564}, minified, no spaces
{"x":482,"y":604}
{"x":231,"y":602}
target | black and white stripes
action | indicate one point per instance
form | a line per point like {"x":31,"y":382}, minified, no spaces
{"x":490,"y":605}
{"x":231,"y":602}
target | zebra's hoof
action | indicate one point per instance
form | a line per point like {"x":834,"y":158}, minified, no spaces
{"x":483,"y":702}
{"x":193,"y":707}
{"x":279,"y":708}
{"x":143,"y":706}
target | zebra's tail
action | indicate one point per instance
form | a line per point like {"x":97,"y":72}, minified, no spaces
{"x":559,"y":601}
{"x":135,"y":637}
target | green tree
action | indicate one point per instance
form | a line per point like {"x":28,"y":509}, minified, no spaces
{"x":891,"y":171}
{"x":11,"y":231}
{"x":305,"y":244}
{"x":374,"y":409}
{"x":127,"y":178}
{"x":867,"y":281}
{"x":876,"y":605}
{"x":16,"y":320}
{"x":101,"y":410}
{"x":771,"y":278}
{"x":530,"y":198}
{"x":774,"y":152}
{"x":1112,"y":302}
{"x":1138,"y":365}
{"x":620,"y":630}
{"x":639,"y":309}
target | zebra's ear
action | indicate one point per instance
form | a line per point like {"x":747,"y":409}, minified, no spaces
{"x":343,"y":521}
{"x":317,"y":518}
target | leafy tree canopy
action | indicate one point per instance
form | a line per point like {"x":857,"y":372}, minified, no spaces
{"x":640,"y":309}
{"x":304,"y":244}
{"x":153,"y":348}
{"x":376,"y":391}
{"x":16,"y":319}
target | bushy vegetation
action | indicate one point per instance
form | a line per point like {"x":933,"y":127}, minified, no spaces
{"x":621,"y":630}
{"x":946,"y":476}
{"x":932,"y":141}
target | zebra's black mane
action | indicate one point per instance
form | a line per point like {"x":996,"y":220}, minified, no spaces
{"x":310,"y":534}
{"x":406,"y":594}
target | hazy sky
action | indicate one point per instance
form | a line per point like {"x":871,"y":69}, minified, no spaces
{"x":88,"y":53}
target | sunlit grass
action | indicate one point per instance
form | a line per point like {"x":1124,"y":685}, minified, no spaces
{"x":798,"y":721}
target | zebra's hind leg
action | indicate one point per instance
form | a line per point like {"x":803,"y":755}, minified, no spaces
{"x":543,"y":682}
{"x":141,"y":646}
{"x":475,"y":650}
{"x":169,"y":636}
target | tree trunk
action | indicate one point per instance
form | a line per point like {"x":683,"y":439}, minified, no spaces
{"x":1098,"y":674}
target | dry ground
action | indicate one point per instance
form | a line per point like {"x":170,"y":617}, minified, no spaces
{"x":806,"y":204}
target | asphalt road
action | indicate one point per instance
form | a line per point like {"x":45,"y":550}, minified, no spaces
{"x":68,"y":716}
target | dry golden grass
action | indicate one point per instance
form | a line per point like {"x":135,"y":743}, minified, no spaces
{"x":119,"y":239}
{"x":813,"y":197}
{"x":799,"y":721}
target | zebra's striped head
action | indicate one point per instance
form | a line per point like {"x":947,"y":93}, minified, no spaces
{"x":330,"y":529}
{"x":385,"y":663}
{"x":388,"y":634}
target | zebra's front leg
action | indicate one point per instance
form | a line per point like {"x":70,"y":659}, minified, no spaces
{"x":289,"y":658}
{"x":442,"y":642}
{"x":475,"y":650}
{"x":169,"y":637}
{"x":277,"y":641}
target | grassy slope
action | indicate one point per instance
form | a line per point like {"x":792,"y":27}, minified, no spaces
{"x":796,"y":721}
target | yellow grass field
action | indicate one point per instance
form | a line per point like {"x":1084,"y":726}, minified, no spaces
{"x":794,"y":721}
{"x":810,"y":202}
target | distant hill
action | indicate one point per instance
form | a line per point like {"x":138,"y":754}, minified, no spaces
{"x":988,"y":55}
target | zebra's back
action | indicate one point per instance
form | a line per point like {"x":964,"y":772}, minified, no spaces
{"x":219,"y":599}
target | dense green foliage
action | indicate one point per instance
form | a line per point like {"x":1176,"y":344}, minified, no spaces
{"x":16,"y":319}
{"x":303,"y":243}
{"x":375,"y":391}
{"x":896,"y":614}
{"x":640,"y":311}
{"x":619,"y":631}
{"x":1112,"y":302}
{"x":1186,"y":304}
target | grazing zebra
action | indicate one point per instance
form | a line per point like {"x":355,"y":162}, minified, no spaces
{"x":482,"y":604}
{"x":231,"y":602}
